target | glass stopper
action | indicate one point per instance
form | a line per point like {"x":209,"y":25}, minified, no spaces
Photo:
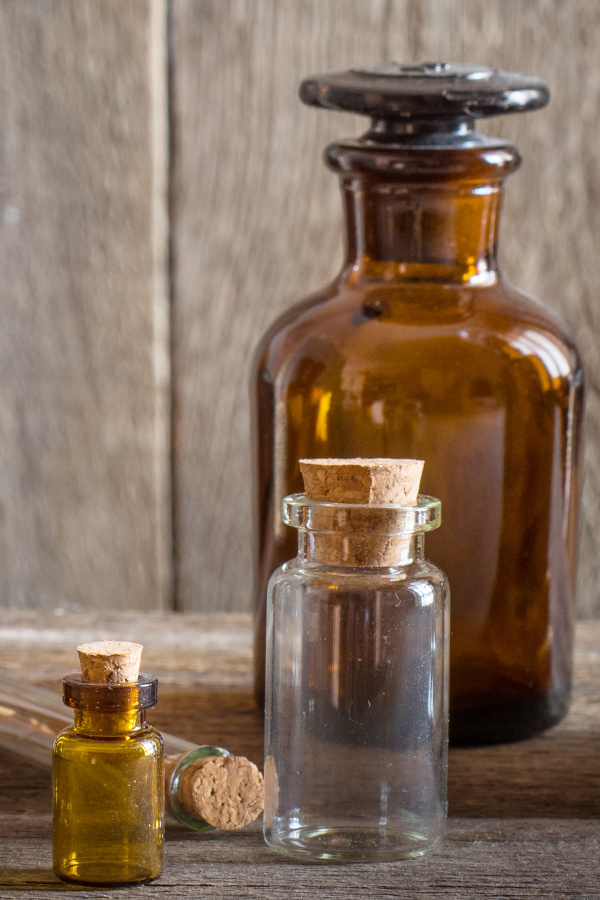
{"x":430,"y":90}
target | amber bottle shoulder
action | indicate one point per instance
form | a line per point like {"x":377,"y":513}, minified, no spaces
{"x":71,"y":737}
{"x":348,"y":312}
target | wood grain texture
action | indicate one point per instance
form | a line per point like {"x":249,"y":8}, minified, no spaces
{"x":488,"y":858}
{"x":255,"y":226}
{"x":256,"y":218}
{"x":210,"y":649}
{"x":84,"y":461}
{"x":523,"y":817}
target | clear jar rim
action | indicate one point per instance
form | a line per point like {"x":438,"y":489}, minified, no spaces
{"x":385,"y":518}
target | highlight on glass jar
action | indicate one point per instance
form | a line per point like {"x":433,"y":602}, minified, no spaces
{"x":357,"y":669}
{"x":108,"y":772}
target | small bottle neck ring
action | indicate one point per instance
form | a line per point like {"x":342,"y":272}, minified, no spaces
{"x":109,"y":709}
{"x":109,"y":724}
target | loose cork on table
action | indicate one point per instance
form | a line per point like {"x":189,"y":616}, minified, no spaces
{"x":226,"y":792}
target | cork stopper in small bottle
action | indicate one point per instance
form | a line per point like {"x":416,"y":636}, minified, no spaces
{"x":110,"y":662}
{"x":368,"y":483}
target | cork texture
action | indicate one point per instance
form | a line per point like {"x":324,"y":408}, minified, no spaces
{"x":110,"y":662}
{"x":271,"y":790}
{"x":225,"y":791}
{"x":370,"y":481}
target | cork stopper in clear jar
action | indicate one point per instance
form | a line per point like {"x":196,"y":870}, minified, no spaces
{"x":361,"y":512}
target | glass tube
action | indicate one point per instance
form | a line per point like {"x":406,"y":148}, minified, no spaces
{"x":31,"y":718}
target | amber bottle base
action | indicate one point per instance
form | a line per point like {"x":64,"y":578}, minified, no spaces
{"x":501,"y":724}
{"x":95,"y":883}
{"x":509,"y":721}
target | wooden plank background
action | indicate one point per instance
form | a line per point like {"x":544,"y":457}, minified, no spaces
{"x":256,"y":216}
{"x":124,"y":465}
{"x":84,"y":459}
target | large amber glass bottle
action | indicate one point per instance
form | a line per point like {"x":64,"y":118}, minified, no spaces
{"x":419,"y":349}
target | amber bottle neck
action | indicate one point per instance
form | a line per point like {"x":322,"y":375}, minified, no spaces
{"x":109,"y":724}
{"x":415,"y":232}
{"x":422,"y":213}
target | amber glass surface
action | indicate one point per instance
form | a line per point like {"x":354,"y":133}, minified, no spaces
{"x":108,"y":799}
{"x":419,"y":349}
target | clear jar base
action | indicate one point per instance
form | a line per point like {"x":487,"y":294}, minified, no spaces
{"x":347,"y":843}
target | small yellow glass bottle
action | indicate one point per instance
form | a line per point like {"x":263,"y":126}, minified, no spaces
{"x":108,"y":785}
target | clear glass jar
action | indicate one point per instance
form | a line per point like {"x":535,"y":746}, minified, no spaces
{"x":357,"y":685}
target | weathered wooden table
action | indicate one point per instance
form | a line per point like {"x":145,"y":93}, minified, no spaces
{"x":524,"y":818}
